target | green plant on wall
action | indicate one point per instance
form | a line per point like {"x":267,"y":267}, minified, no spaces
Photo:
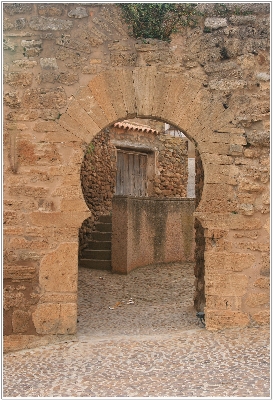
{"x":158,"y":20}
{"x":90,"y":148}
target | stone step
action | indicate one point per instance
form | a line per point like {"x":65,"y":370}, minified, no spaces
{"x":101,"y":236}
{"x":93,"y":245}
{"x":95,"y":264}
{"x":103,"y":227}
{"x":97,"y":254}
{"x":106,"y":218}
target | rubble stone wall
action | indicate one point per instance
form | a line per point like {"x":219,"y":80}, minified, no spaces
{"x":71,"y":70}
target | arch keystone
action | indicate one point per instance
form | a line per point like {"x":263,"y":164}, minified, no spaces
{"x":144,"y":84}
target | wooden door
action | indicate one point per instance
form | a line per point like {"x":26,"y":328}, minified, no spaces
{"x":131,"y":177}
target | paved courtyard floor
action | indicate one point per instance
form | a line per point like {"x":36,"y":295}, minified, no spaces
{"x":138,"y":336}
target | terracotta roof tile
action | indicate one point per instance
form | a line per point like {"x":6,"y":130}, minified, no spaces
{"x":135,"y":127}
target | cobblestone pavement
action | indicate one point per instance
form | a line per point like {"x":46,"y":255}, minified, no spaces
{"x":138,"y":337}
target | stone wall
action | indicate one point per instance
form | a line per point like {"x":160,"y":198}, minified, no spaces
{"x":148,"y":230}
{"x":167,"y":175}
{"x":70,"y":71}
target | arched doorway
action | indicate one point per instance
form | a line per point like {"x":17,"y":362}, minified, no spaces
{"x":183,"y":102}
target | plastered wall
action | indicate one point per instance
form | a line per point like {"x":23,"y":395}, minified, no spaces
{"x":70,"y":71}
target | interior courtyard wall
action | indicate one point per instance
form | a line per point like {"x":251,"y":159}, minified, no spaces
{"x":167,"y":175}
{"x":67,"y":68}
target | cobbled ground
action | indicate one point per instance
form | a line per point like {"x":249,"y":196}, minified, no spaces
{"x":138,"y":336}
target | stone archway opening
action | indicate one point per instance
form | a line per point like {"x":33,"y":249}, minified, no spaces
{"x":165,"y":154}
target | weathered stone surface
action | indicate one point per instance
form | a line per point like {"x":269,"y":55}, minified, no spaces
{"x":49,"y":24}
{"x":44,"y":98}
{"x":262,"y":283}
{"x":257,"y":299}
{"x":215,"y":23}
{"x":25,"y":63}
{"x":48,"y":63}
{"x":223,"y":261}
{"x":227,"y":284}
{"x":46,"y":318}
{"x":212,"y":83}
{"x":58,"y":298}
{"x":18,"y":79}
{"x":259,"y":139}
{"x":224,"y":319}
{"x":58,"y":270}
{"x":262,"y":317}
{"x":59,"y":219}
{"x":17,"y":8}
{"x":50,"y":10}
{"x":19,"y":272}
{"x":68,"y":319}
{"x":20,"y":321}
{"x":78,"y":12}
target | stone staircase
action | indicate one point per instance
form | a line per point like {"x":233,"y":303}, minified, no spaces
{"x":98,"y":253}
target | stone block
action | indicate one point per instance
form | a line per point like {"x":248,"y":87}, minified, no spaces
{"x":46,"y":318}
{"x":59,"y":219}
{"x":262,"y":283}
{"x":216,"y":159}
{"x":219,"y":302}
{"x":125,"y":78}
{"x":115,"y":92}
{"x":189,"y":107}
{"x":44,"y":98}
{"x":74,"y":127}
{"x":12,"y":218}
{"x":78,"y":12}
{"x":226,"y":284}
{"x":58,"y":298}
{"x":162,"y":83}
{"x":227,"y":84}
{"x":59,"y":269}
{"x":217,"y":197}
{"x":23,"y":115}
{"x":215,"y":23}
{"x":20,"y":321}
{"x":254,"y":300}
{"x":216,"y":320}
{"x":49,"y":24}
{"x":17,"y":8}
{"x":265,"y":264}
{"x":254,"y":246}
{"x":18,"y":79}
{"x":83,"y":119}
{"x":68,"y":319}
{"x":48,"y":63}
{"x":73,"y":205}
{"x":24,"y":63}
{"x":228,"y":221}
{"x":212,"y":148}
{"x":13,"y":230}
{"x":69,"y":191}
{"x":144,"y":84}
{"x":100,"y":92}
{"x":30,"y":191}
{"x":12,"y":99}
{"x":50,"y":10}
{"x":22,"y":243}
{"x":262,"y":317}
{"x":21,"y":272}
{"x":88,"y":102}
{"x":230,"y":262}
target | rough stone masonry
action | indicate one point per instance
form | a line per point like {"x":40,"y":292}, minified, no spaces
{"x":72,"y":70}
